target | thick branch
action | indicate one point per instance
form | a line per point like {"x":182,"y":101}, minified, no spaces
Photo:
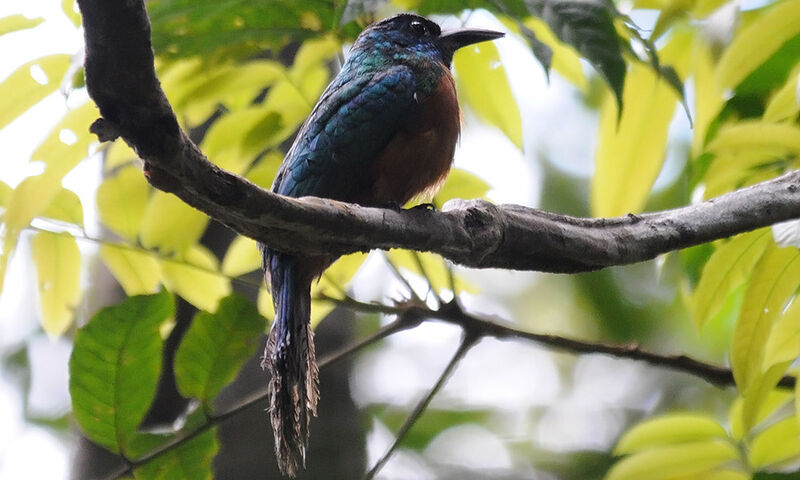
{"x":122,"y":81}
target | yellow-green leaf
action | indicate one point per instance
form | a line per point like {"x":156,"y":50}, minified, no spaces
{"x":263,"y":173}
{"x":169,"y":224}
{"x":242,"y":257}
{"x":566,"y":60}
{"x":31,"y":197}
{"x":195,"y":276}
{"x":58,"y":272}
{"x":631,"y":147}
{"x":478,"y":70}
{"x":122,"y":200}
{"x":709,"y":97}
{"x":136,"y":271}
{"x":332,"y":283}
{"x":758,"y":393}
{"x":431,"y":267}
{"x":783,"y":103}
{"x":757,"y":42}
{"x":68,"y":142}
{"x":733,"y":168}
{"x":755,"y":134}
{"x":118,"y":154}
{"x":784,"y":339}
{"x":776,"y":445}
{"x":68,"y":7}
{"x":728,"y":267}
{"x":265,"y":305}
{"x":5,"y":194}
{"x":66,"y":207}
{"x":774,"y":400}
{"x":13,"y":23}
{"x":313,"y":54}
{"x":20,"y":90}
{"x":669,"y":430}
{"x":774,"y":280}
{"x":674,"y":461}
{"x":461,"y":184}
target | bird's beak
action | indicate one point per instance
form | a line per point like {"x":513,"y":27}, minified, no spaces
{"x":450,"y":41}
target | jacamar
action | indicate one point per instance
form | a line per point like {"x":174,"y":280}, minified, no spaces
{"x":383,"y":131}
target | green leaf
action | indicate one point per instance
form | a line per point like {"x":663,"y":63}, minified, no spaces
{"x":756,"y":42}
{"x":265,"y":170}
{"x":774,"y":281}
{"x":461,"y":184}
{"x":784,"y":339}
{"x":242,"y":257}
{"x":226,"y":29}
{"x":333,"y":281}
{"x":674,"y":461}
{"x":758,"y":393}
{"x":754,"y":135}
{"x":195,"y":276}
{"x":776,"y":445}
{"x":587,"y":25}
{"x":58,"y":273}
{"x":774,"y":400}
{"x":62,"y":155}
{"x":429,"y":266}
{"x":122,"y":200}
{"x":630,"y":148}
{"x":136,"y":271}
{"x":66,"y":207}
{"x":729,"y":266}
{"x":5,"y":193}
{"x":566,"y":60}
{"x":20,"y":91}
{"x":478,"y":70}
{"x":783,"y":103}
{"x":14,"y":23}
{"x":118,"y":154}
{"x":669,"y":430}
{"x":114,"y":368}
{"x":190,"y":460}
{"x":169,"y":224}
{"x":215,"y":347}
{"x":67,"y":6}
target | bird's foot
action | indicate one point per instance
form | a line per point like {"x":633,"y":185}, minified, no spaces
{"x":425,"y":206}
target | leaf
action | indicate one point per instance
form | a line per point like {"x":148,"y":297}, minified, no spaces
{"x":431,"y":267}
{"x":461,"y":184}
{"x":14,"y":23}
{"x":587,"y":25}
{"x":114,"y":368}
{"x":29,"y":199}
{"x":709,"y":98}
{"x":58,"y":273}
{"x":669,"y":430}
{"x":774,"y":400}
{"x":194,"y":275}
{"x":190,"y":460}
{"x":541,"y":51}
{"x":755,"y":134}
{"x":783,"y":344}
{"x":265,"y":170}
{"x":333,"y":281}
{"x":118,"y":154}
{"x":774,"y":280}
{"x":66,"y":207}
{"x":729,"y":266}
{"x":566,"y":60}
{"x":757,"y":41}
{"x":478,"y":70}
{"x":68,"y":7}
{"x":216,"y":346}
{"x":20,"y":90}
{"x":136,"y":271}
{"x":674,"y":461}
{"x":783,"y":103}
{"x":122,"y":200}
{"x":169,"y":224}
{"x":224,"y":29}
{"x":242,"y":257}
{"x":5,"y":193}
{"x":631,"y":147}
{"x":777,"y":444}
{"x":265,"y":305}
{"x":62,"y":154}
{"x":758,"y":393}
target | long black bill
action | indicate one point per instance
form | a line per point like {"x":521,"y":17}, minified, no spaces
{"x":450,"y":41}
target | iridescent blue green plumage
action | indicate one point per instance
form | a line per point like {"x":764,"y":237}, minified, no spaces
{"x":383,"y":131}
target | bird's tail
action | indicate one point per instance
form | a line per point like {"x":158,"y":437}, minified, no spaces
{"x":290,"y":359}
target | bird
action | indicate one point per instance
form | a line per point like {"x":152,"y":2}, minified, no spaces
{"x":383,"y":131}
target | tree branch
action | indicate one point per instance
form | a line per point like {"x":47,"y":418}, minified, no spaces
{"x":122,"y":81}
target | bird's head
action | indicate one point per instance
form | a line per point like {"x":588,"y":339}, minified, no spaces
{"x":411,"y":34}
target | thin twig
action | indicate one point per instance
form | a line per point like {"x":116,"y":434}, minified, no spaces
{"x":402,"y":278}
{"x":468,"y":340}
{"x":424,"y":272}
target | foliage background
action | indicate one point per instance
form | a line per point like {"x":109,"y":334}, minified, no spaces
{"x":79,"y":218}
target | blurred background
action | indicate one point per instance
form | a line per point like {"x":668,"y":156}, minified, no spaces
{"x":512,"y":409}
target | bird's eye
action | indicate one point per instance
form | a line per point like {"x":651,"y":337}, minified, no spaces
{"x":418,"y":28}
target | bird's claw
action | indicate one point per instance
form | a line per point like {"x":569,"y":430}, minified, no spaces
{"x":425,"y":206}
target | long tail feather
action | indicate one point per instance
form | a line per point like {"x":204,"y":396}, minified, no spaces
{"x":289,"y":358}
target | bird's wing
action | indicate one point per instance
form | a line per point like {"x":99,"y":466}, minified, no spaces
{"x":354,"y":120}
